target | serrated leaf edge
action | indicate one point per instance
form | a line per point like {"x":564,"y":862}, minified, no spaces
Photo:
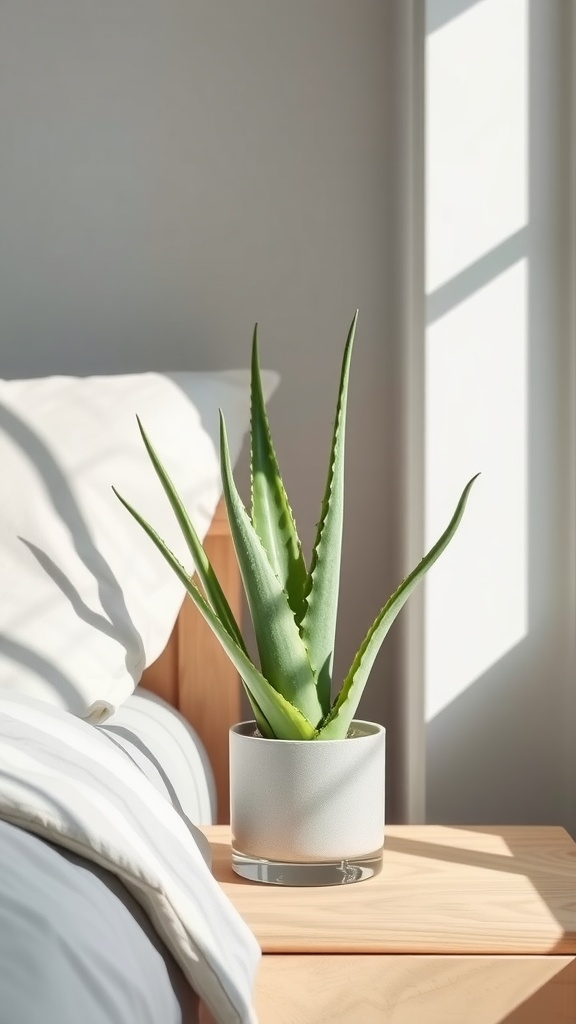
{"x":393,"y":606}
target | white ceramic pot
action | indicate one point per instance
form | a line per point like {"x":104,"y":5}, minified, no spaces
{"x":307,"y":812}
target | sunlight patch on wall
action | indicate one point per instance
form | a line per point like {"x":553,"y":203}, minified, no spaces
{"x":476,"y":126}
{"x":476,"y":420}
{"x":476,"y":344}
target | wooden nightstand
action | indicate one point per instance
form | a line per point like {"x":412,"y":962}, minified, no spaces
{"x":463,"y":926}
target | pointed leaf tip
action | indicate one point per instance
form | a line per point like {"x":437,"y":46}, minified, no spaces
{"x":272,"y":516}
{"x":318,"y":626}
{"x":336,"y":724}
{"x":208,"y":578}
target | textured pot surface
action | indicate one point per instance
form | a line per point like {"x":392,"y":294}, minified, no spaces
{"x":307,"y":801}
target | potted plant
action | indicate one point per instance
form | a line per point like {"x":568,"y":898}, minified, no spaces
{"x":307,"y":779}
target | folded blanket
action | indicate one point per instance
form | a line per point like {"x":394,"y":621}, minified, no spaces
{"x":60,"y":779}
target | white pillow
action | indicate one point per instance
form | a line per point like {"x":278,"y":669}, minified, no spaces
{"x":86,"y":600}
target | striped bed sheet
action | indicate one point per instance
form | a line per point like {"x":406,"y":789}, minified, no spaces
{"x":83,"y":796}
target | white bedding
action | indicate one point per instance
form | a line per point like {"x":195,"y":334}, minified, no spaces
{"x":86,"y":601}
{"x":162,"y":744}
{"x":62,"y":779}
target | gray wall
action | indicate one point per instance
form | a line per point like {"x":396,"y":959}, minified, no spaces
{"x":172,"y":172}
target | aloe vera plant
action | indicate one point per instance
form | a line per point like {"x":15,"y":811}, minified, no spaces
{"x":293,"y":608}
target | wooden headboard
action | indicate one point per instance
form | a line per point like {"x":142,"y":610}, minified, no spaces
{"x":194,"y":675}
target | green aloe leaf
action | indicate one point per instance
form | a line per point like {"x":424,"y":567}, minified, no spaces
{"x":271,"y":513}
{"x":318,"y":627}
{"x":338,"y":721}
{"x":264,"y":727}
{"x":214,"y":593}
{"x":279,"y":718}
{"x":283,"y":656}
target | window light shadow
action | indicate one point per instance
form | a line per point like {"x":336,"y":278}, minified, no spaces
{"x":477,"y":372}
{"x":519,"y":859}
{"x":496,"y":724}
{"x":477,"y":275}
{"x":440,"y":12}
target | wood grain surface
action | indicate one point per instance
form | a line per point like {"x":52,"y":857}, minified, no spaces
{"x":442,"y":890}
{"x":416,"y":990}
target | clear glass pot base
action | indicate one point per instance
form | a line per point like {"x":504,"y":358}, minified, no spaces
{"x":337,"y":872}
